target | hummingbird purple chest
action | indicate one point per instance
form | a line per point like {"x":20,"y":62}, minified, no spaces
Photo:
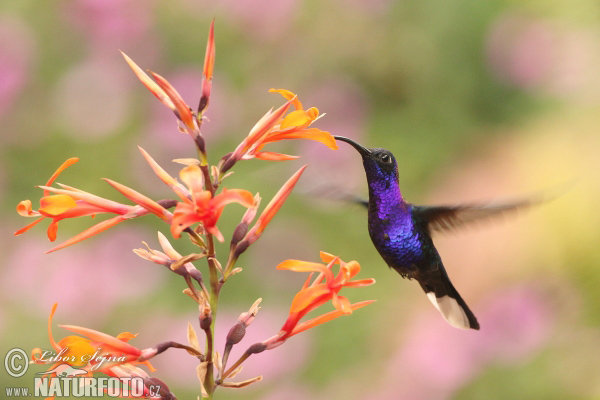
{"x":393,"y":230}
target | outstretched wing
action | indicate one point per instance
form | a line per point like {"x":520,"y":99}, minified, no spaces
{"x":448,"y":218}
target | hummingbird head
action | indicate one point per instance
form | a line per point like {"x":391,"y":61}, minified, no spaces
{"x":380,"y":164}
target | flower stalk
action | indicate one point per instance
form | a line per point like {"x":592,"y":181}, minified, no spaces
{"x":197,"y":203}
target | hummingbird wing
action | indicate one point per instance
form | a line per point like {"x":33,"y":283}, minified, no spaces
{"x":446,"y":299}
{"x":448,"y":218}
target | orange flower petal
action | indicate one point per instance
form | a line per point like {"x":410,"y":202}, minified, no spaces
{"x":126,"y":336}
{"x":209,"y":57}
{"x":360,"y":283}
{"x":270,"y":156}
{"x":276,"y":203}
{"x":326,"y":257}
{"x":352,"y":268}
{"x":52,"y":230}
{"x":149,"y":83}
{"x":28,"y":227}
{"x":261,"y":129}
{"x":341,"y":304}
{"x":312,"y":113}
{"x":94,"y":230}
{"x":193,"y":177}
{"x":54,"y":205}
{"x":165,"y":177}
{"x":50,"y":337}
{"x":182,"y":110}
{"x":306,"y":298}
{"x":326,"y":317}
{"x":101,"y":337}
{"x":297,"y":118}
{"x":307,"y":133}
{"x":25,"y":209}
{"x":138,"y":198}
{"x":209,"y":64}
{"x":288,"y":96}
{"x":241,"y":196}
{"x":60,"y":169}
{"x":303,"y":266}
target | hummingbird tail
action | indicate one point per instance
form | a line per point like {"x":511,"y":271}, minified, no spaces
{"x":446,"y":299}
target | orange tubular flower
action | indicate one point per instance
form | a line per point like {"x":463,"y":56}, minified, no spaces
{"x":274,"y":126}
{"x":69,"y":202}
{"x":92,"y":352}
{"x":201,"y":206}
{"x":317,"y":293}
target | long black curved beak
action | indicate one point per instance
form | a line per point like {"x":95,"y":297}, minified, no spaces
{"x":360,"y":148}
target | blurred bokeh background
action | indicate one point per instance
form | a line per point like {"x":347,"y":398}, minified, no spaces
{"x":494,"y":99}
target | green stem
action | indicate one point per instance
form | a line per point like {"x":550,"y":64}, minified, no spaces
{"x":215,"y":285}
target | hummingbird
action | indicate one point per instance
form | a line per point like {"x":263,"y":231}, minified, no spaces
{"x":401,"y":232}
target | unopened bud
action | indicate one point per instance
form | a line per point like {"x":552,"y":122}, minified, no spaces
{"x":256,"y":348}
{"x":236,"y":333}
{"x":239,"y":233}
{"x":167,"y":203}
{"x":240,"y":248}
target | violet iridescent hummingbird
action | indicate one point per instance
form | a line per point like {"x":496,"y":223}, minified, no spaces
{"x":401,"y":232}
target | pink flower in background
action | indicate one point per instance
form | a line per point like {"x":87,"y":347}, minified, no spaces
{"x":111,"y":24}
{"x":91,"y":100}
{"x":262,"y":19}
{"x":516,"y":323}
{"x":17,"y":51}
{"x":522,"y":50}
{"x":97,"y":277}
{"x":435,"y":360}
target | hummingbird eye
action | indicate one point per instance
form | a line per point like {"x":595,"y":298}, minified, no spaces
{"x":386,"y":158}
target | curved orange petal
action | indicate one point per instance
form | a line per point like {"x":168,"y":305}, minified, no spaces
{"x":55,"y":345}
{"x":126,"y":336}
{"x":327,"y":257}
{"x":228,"y":196}
{"x":288,"y":96}
{"x":60,"y":169}
{"x":24,"y":209}
{"x":305,"y":133}
{"x":312,"y":113}
{"x":326,"y":317}
{"x":352,"y":268}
